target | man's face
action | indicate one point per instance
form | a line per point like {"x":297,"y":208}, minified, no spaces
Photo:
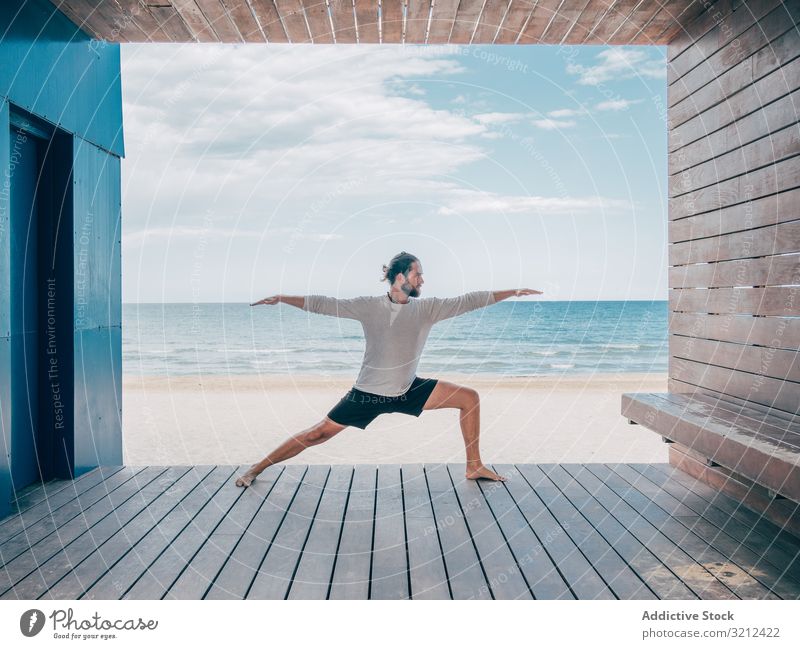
{"x":413,"y":280}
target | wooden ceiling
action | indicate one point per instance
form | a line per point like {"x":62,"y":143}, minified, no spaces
{"x":590,"y":22}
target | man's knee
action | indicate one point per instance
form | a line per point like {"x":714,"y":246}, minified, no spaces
{"x":322,"y":431}
{"x":471,"y":398}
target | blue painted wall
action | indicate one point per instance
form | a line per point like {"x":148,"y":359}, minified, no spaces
{"x":53,"y":72}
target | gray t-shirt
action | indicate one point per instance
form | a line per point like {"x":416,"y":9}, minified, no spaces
{"x":395,"y":333}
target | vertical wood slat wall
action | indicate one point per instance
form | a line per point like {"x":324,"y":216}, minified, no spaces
{"x":734,"y":204}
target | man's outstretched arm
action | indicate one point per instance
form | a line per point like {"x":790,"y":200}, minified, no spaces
{"x":443,"y":308}
{"x":353,"y":308}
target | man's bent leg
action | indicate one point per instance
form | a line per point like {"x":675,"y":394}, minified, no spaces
{"x":467,"y":400}
{"x":316,"y":434}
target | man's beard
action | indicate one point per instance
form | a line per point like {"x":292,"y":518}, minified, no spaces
{"x":410,"y":290}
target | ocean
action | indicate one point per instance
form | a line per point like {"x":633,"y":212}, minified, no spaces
{"x":512,"y":338}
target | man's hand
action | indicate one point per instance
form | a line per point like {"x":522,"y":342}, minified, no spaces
{"x":514,"y":292}
{"x":268,"y":300}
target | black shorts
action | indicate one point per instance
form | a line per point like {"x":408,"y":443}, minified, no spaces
{"x":359,"y":409}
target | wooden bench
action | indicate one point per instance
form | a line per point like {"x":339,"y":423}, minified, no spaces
{"x":747,"y":450}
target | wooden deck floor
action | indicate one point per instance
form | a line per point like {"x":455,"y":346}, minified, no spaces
{"x":553,"y":531}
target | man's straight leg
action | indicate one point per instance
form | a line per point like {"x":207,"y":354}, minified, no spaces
{"x":316,"y":434}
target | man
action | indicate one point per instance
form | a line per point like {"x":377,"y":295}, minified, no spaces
{"x":396,"y":326}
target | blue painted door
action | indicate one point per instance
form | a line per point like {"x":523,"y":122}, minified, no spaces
{"x":23,"y":226}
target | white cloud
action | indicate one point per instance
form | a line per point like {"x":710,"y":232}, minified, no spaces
{"x":553,"y":124}
{"x":566,"y":112}
{"x":466,"y":201}
{"x":498,"y":118}
{"x":617,"y":104}
{"x":620,"y":63}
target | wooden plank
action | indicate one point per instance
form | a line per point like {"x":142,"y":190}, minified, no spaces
{"x":220,"y":21}
{"x":671,"y":553}
{"x":503,"y":576}
{"x":318,"y":21}
{"x":518,"y":14}
{"x":758,"y":35}
{"x":367,"y":17}
{"x":417,"y":15}
{"x":543,"y":14}
{"x":745,"y":159}
{"x":671,"y":14}
{"x":313,"y":575}
{"x":734,"y":448}
{"x":693,"y":30}
{"x":714,"y":48}
{"x":752,"y":411}
{"x":351,"y":571}
{"x":294,"y":20}
{"x":768,"y":301}
{"x":442,"y":19}
{"x":761,"y":271}
{"x":389,"y":577}
{"x":489,"y":21}
{"x":52,"y":558}
{"x":768,"y":120}
{"x":269,"y":21}
{"x":739,"y":555}
{"x":227,"y":542}
{"x":588,"y":21}
{"x":616,"y":573}
{"x":248,"y":531}
{"x":752,"y":98}
{"x":684,"y":19}
{"x":729,"y":84}
{"x":130,"y":567}
{"x":660,"y":581}
{"x":763,"y":241}
{"x":195,"y":21}
{"x":642,"y":14}
{"x":576,"y":571}
{"x":392,"y":21}
{"x":463,"y":567}
{"x":749,"y":494}
{"x":737,"y":328}
{"x":138,"y":14}
{"x":613,"y":20}
{"x":274,"y":576}
{"x":569,"y":13}
{"x":770,"y":180}
{"x":666,"y":518}
{"x":759,"y":529}
{"x":171,"y":23}
{"x":774,"y":393}
{"x":530,"y":551}
{"x":40,"y":501}
{"x":767,"y":210}
{"x":124,"y":535}
{"x":775,"y":363}
{"x":426,"y":567}
{"x":245,"y":21}
{"x":36,"y":536}
{"x":344,"y":22}
{"x":218,"y":512}
{"x":467,"y":16}
{"x":123,"y":25}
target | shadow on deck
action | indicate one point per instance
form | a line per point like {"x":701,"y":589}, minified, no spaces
{"x":553,"y":531}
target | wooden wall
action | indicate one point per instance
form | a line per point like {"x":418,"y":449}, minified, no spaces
{"x":734,"y":203}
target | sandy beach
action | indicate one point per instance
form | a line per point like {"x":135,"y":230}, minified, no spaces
{"x":237,"y":419}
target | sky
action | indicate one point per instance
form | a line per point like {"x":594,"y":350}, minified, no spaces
{"x":255,"y":170}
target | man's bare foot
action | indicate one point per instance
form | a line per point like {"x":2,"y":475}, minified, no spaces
{"x":483,"y":472}
{"x":246,"y":479}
